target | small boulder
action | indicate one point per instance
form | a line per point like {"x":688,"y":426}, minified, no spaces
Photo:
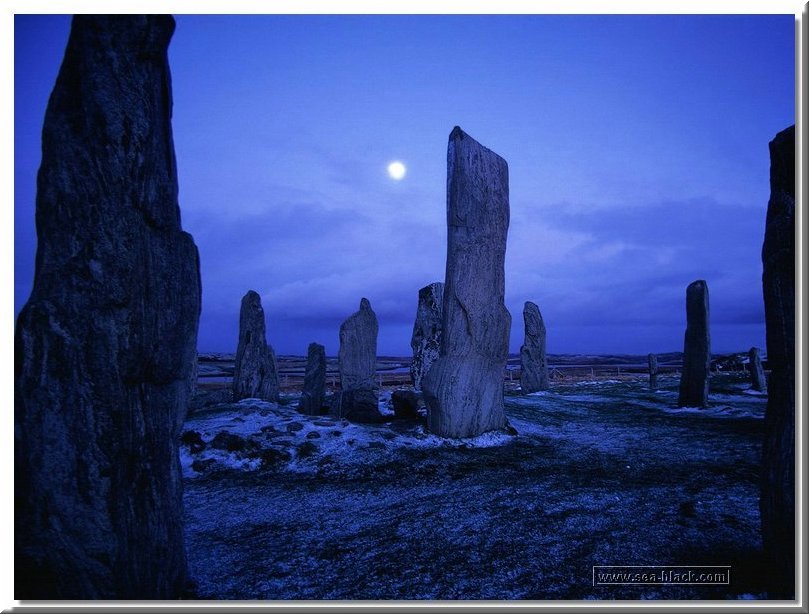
{"x":194,"y":441}
{"x":357,"y":406}
{"x":231,"y":442}
{"x":405,"y":404}
{"x":202,"y":465}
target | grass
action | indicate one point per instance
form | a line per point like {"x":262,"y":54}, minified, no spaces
{"x":599,"y":474}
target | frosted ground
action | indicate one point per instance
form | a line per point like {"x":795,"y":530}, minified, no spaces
{"x":284,"y":506}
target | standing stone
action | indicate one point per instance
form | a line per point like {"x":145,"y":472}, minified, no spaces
{"x":697,"y":347}
{"x":314,"y":382}
{"x":778,"y":453}
{"x":426,"y":339}
{"x":357,"y":399}
{"x":464,"y":388}
{"x":757,"y":378}
{"x":534,"y":364}
{"x":256,"y":374}
{"x":653,"y":371}
{"x":106,"y":344}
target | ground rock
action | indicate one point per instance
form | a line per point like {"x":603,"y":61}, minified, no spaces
{"x":697,"y":347}
{"x":256,"y":373}
{"x":757,"y":378}
{"x":105,"y":346}
{"x":533,"y":361}
{"x":426,"y":339}
{"x":653,"y":369}
{"x":464,"y":388}
{"x":314,"y":383}
{"x":405,"y":404}
{"x":778,"y":452}
{"x":357,"y":400}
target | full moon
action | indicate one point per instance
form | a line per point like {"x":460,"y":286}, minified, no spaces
{"x":396,"y":170}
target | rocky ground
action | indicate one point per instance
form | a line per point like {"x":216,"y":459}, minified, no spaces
{"x":284,"y":506}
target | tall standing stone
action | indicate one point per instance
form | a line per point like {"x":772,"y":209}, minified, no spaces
{"x":314,"y":381}
{"x":653,"y":371}
{"x":256,"y":373}
{"x":426,"y":339}
{"x":106,"y":344}
{"x":757,"y":378}
{"x":357,"y":399}
{"x":464,"y":388}
{"x":533,"y":362}
{"x":778,"y":453}
{"x":697,"y":347}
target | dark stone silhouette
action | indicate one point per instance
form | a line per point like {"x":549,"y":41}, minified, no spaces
{"x":464,"y":388}
{"x":653,"y":371}
{"x":697,"y":347}
{"x":778,"y":453}
{"x":533,"y":362}
{"x":426,"y":339}
{"x":757,"y":378}
{"x":405,"y":404}
{"x":314,"y":381}
{"x":256,"y":374}
{"x":357,"y":399}
{"x":106,"y":344}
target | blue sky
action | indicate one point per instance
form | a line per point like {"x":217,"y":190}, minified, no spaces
{"x":637,"y":152}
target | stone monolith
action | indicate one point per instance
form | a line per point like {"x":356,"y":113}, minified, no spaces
{"x":256,"y":372}
{"x":652,"y":371}
{"x":426,"y":339}
{"x":697,"y":347}
{"x":106,"y":344}
{"x":357,"y":399}
{"x":314,"y":381}
{"x":533,"y":362}
{"x":758,"y":380}
{"x":464,"y":388}
{"x":778,"y":453}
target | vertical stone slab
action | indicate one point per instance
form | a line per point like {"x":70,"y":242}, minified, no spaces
{"x":464,"y":388}
{"x":697,"y":347}
{"x":534,"y":363}
{"x":357,"y":399}
{"x":106,"y":344}
{"x":758,"y":380}
{"x":314,"y":381}
{"x":653,"y":371}
{"x":778,"y":453}
{"x":426,"y":339}
{"x":256,"y":373}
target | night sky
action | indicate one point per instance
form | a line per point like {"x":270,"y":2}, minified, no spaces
{"x":637,"y":152}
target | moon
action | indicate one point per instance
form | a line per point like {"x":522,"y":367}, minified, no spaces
{"x":397,"y":170}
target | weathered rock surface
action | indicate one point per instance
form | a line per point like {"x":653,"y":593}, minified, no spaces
{"x":697,"y":347}
{"x":106,"y":344}
{"x":359,"y":405}
{"x":357,"y":356}
{"x":314,"y":381}
{"x":778,"y":453}
{"x":405,"y":404}
{"x":426,"y":339}
{"x":653,"y":371}
{"x":464,"y":388}
{"x":357,"y":399}
{"x":533,"y":362}
{"x":757,"y":377}
{"x":256,"y":374}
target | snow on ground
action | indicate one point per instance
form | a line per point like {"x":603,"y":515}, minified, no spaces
{"x":306,"y":439}
{"x":304,"y":507}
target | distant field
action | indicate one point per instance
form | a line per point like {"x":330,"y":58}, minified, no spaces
{"x":216,"y":370}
